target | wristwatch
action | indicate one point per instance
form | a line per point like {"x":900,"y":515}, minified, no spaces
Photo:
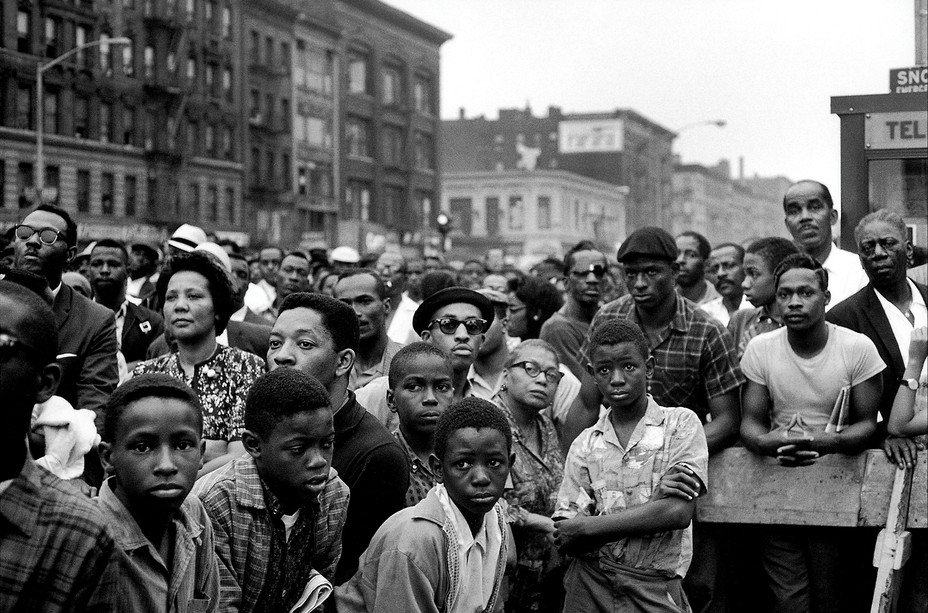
{"x":912,"y":384}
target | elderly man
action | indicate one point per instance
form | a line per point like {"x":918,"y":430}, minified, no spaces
{"x":392,"y":269}
{"x":810,"y":214}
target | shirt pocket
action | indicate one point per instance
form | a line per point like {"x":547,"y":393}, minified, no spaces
{"x":198,"y":605}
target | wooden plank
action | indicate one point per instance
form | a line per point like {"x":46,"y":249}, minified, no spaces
{"x":890,"y":552}
{"x":837,"y":490}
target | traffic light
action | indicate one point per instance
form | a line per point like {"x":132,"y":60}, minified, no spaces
{"x":444,"y":226}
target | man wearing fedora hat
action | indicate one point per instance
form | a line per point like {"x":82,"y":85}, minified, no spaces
{"x":455,"y":320}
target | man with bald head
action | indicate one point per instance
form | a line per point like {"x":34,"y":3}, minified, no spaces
{"x":810,"y":214}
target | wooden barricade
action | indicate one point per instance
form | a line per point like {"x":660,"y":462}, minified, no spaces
{"x":838,"y":490}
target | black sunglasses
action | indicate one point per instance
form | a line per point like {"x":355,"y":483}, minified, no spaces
{"x":598,"y":270}
{"x":47,"y":236}
{"x":450,"y":325}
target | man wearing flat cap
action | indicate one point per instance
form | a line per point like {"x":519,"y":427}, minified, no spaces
{"x":455,"y":320}
{"x":695,"y":362}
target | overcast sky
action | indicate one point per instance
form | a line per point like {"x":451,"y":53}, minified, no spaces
{"x":767,"y":68}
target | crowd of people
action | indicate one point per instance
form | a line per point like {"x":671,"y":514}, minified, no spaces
{"x":196,"y":427}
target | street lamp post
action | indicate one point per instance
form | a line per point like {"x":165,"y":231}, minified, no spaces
{"x":40,"y":104}
{"x":719,"y":123}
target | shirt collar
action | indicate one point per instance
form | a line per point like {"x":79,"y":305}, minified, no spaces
{"x":55,"y":291}
{"x":653,"y":416}
{"x":126,"y":531}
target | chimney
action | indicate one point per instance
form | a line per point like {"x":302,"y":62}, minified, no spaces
{"x":741,"y":168}
{"x":461,"y":114}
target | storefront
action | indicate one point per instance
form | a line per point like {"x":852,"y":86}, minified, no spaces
{"x":884,"y":160}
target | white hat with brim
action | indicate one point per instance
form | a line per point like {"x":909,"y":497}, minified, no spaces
{"x":187,"y":238}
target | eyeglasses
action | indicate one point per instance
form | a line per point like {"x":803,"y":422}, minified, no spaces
{"x":9,"y":344}
{"x":450,"y":325}
{"x":552,"y":375}
{"x":47,"y":236}
{"x":598,"y":270}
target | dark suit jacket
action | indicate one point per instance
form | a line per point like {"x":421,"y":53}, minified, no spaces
{"x":253,"y":318}
{"x":86,"y":351}
{"x":253,"y":338}
{"x":863,"y":313}
{"x":140,"y":328}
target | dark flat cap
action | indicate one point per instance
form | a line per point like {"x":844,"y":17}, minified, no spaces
{"x":450,"y":295}
{"x":648,"y":242}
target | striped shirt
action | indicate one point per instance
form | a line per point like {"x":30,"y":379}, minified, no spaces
{"x":694,"y":357}
{"x":259,"y":568}
{"x":55,"y":552}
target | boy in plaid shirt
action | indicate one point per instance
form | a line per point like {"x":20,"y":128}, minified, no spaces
{"x":277,"y":512}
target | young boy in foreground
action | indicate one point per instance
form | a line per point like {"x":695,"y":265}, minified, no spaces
{"x":449,"y":552}
{"x":420,"y":391}
{"x":630,"y":539}
{"x":152,"y":446}
{"x":277,"y":512}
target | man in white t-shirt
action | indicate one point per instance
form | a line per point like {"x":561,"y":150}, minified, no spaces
{"x":795,"y":376}
{"x":810,"y":214}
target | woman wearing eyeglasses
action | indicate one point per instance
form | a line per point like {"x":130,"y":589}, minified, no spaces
{"x":529,"y":382}
{"x":197,"y":296}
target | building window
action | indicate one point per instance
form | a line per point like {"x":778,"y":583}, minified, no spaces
{"x":53,"y":180}
{"x":81,"y":36}
{"x":128,"y":66}
{"x":192,"y":135}
{"x":269,"y":109}
{"x":191,"y":70}
{"x":285,"y":56}
{"x":285,"y":114}
{"x":226,"y":22}
{"x":209,"y":140}
{"x":106,"y":193}
{"x":128,"y":126}
{"x":227,"y":152}
{"x":270,"y":168}
{"x":210,"y":77}
{"x":171,"y":63}
{"x":106,"y":122}
{"x":461,"y":210}
{"x":106,"y":62}
{"x":149,"y":60}
{"x":302,"y":181}
{"x":357,"y":134}
{"x":422,"y":94}
{"x":131,"y":191}
{"x":392,"y":83}
{"x":23,"y":107}
{"x":191,"y":10}
{"x":425,"y":151}
{"x":357,"y":200}
{"x":492,"y":207}
{"x":544,"y":213}
{"x":391,"y":211}
{"x":25,"y":181}
{"x":209,"y":14}
{"x":515,"y":213}
{"x":424,"y":208}
{"x":52,"y":34}
{"x":83,"y":191}
{"x":151,"y":187}
{"x":286,"y":171}
{"x":392,"y":139}
{"x":212,"y":203}
{"x":255,"y":166}
{"x":269,"y":51}
{"x":193,"y":201}
{"x":23,"y":32}
{"x":150,"y":123}
{"x":357,"y":73}
{"x":230,"y":205}
{"x":318,"y":75}
{"x":255,"y":111}
{"x":50,"y":109}
{"x":317,"y":132}
{"x":255,"y":47}
{"x":320,"y":181}
{"x":227,"y":83}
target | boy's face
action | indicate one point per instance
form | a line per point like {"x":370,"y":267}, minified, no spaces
{"x":759,"y":284}
{"x":423,"y":393}
{"x":294,"y":458}
{"x":155,"y":455}
{"x":802,"y":300}
{"x":474,"y":469}
{"x":621,"y":374}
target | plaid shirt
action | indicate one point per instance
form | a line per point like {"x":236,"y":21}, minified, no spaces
{"x":55,"y":553}
{"x":694,"y":357}
{"x":421,"y":478}
{"x":259,"y":570}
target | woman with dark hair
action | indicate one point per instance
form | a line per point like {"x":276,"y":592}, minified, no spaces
{"x":531,"y":302}
{"x":529,"y":384}
{"x":197,"y":296}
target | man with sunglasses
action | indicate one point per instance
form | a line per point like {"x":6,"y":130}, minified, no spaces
{"x":44,"y":242}
{"x":455,"y":320}
{"x":585,"y":271}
